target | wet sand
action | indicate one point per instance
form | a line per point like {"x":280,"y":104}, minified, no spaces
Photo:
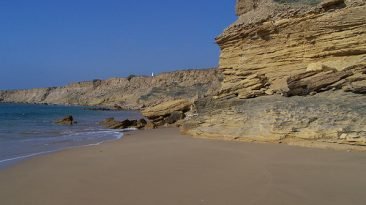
{"x":163,"y":167}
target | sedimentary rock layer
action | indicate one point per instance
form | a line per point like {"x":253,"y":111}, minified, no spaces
{"x":294,"y":72}
{"x":257,"y":58}
{"x":329,"y":118}
{"x":167,"y":113}
{"x":125,"y":93}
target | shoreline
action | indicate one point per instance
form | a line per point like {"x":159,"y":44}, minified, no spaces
{"x":164,"y":167}
{"x":30,"y":130}
{"x":7,"y":163}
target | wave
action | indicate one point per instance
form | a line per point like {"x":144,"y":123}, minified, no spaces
{"x":56,"y":144}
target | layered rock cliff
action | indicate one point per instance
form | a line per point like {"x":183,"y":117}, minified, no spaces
{"x":125,"y":93}
{"x":278,"y":50}
{"x":321,"y":47}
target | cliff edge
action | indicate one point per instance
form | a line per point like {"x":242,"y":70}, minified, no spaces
{"x":294,"y":72}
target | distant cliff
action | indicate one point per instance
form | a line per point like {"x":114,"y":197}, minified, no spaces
{"x":278,"y":50}
{"x":133,"y":92}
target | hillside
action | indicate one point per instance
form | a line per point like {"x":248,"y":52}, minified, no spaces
{"x":124,"y":93}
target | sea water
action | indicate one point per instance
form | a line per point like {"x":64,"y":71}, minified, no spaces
{"x":30,"y":130}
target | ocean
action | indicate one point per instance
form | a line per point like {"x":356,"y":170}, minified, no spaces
{"x":29,"y":130}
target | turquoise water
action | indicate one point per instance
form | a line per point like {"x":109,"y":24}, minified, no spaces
{"x":29,"y":130}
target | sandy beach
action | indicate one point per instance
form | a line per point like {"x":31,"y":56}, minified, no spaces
{"x":163,"y":167}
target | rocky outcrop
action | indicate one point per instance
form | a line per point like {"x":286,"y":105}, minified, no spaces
{"x":135,"y":92}
{"x":327,"y":119}
{"x":167,"y":113}
{"x":112,"y":123}
{"x":68,"y":120}
{"x":294,"y":72}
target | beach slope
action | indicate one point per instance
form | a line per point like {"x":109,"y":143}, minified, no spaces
{"x":163,"y":167}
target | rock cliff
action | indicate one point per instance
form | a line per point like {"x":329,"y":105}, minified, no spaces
{"x":304,"y":64}
{"x":125,"y":93}
{"x":323,"y":43}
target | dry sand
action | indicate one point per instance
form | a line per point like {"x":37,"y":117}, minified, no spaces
{"x":161,"y":167}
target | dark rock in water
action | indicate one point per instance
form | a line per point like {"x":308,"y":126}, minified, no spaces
{"x":112,"y":123}
{"x":128,"y":123}
{"x":68,"y":120}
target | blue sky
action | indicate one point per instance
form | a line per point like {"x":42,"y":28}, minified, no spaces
{"x":54,"y":42}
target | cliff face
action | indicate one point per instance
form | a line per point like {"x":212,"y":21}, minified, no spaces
{"x":124,"y":93}
{"x":278,"y":49}
{"x":323,"y":45}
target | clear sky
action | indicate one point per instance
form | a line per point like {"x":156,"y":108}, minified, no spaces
{"x":54,"y":42}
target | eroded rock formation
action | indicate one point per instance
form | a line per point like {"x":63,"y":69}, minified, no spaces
{"x":328,"y":118}
{"x":309,"y":43}
{"x":167,"y":113}
{"x":304,"y":64}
